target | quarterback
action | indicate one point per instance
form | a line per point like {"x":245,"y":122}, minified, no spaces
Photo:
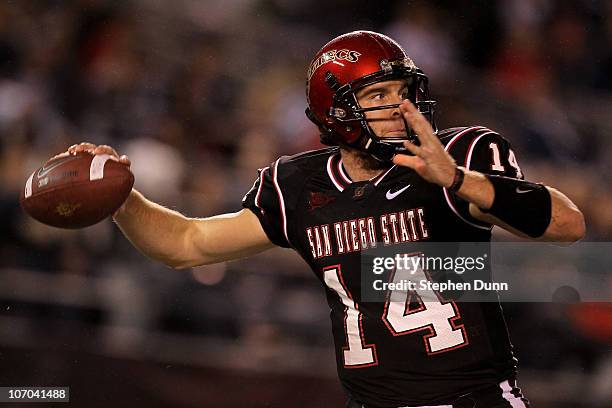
{"x":387,"y":177}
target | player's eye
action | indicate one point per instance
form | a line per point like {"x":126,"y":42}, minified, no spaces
{"x":378,"y":96}
{"x":404,"y":93}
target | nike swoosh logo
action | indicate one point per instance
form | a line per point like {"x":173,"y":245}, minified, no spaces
{"x":520,"y":191}
{"x":391,"y":196}
{"x":45,"y":170}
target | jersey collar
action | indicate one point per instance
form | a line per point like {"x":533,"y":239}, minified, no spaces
{"x":376,"y":180}
{"x":336,"y":172}
{"x":340,"y":178}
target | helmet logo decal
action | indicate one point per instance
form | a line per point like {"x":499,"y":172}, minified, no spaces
{"x":332,"y":55}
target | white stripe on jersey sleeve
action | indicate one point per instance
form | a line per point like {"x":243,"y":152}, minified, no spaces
{"x":447,"y":197}
{"x":260,"y":179}
{"x":473,"y":145}
{"x":261,"y":182}
{"x":281,"y":201}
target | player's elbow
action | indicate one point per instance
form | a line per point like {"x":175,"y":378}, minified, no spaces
{"x":576,"y":227}
{"x":185,"y":259}
{"x":568,"y":228}
{"x":176,"y":263}
{"x":189,"y":251}
{"x":186,"y":264}
{"x":179,"y":266}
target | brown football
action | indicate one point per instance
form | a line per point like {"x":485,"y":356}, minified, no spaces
{"x":76,"y":190}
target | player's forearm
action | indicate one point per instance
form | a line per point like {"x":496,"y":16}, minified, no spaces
{"x":566,"y":225}
{"x":477,"y":189}
{"x":566,"y":220}
{"x":156,"y":231}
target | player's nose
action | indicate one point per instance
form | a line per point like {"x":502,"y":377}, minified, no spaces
{"x":396,"y":101}
{"x":396,"y":110}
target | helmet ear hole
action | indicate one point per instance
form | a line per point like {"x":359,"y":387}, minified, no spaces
{"x":325,"y":133}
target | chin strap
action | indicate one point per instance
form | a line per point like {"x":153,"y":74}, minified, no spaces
{"x":384,"y":151}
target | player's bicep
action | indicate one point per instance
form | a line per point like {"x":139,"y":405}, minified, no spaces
{"x":225,"y":237}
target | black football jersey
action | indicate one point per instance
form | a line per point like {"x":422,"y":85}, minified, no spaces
{"x":427,"y":353}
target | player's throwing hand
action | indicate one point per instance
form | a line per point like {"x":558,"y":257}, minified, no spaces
{"x":430,"y":160}
{"x":101,"y":149}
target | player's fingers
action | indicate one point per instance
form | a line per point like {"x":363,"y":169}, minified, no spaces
{"x":420,"y":125}
{"x":106,"y":149}
{"x":81,"y":147}
{"x":418,"y":122}
{"x":86,"y":146}
{"x":412,"y":162}
{"x":125,"y":160}
{"x":412,"y":148}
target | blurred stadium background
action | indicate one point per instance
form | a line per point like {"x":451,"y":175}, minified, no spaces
{"x":200,"y":94}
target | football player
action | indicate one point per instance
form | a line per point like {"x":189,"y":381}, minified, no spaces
{"x":388,"y":178}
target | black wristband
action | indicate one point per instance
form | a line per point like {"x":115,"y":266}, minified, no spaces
{"x":522,"y":205}
{"x":458,"y":180}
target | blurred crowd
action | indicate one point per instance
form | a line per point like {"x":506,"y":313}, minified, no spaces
{"x":200,"y":94}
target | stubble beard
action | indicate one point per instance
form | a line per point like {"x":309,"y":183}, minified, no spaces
{"x":367,"y":162}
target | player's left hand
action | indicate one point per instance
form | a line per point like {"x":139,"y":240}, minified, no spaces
{"x":430,"y":160}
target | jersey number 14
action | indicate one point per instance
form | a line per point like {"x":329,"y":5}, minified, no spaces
{"x":434,"y":316}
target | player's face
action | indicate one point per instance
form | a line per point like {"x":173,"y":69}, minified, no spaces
{"x":384,"y":122}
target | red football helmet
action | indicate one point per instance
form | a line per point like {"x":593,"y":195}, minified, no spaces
{"x":342,"y":67}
